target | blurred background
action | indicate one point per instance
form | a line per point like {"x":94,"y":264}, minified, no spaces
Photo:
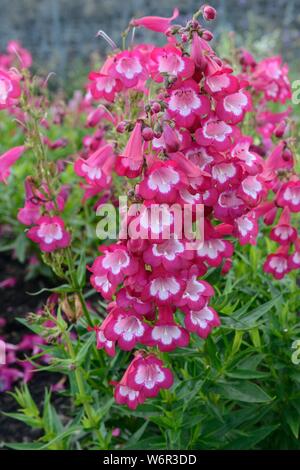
{"x":61,"y":33}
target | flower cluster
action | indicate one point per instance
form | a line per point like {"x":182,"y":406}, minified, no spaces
{"x":185,"y":146}
{"x":269,"y":83}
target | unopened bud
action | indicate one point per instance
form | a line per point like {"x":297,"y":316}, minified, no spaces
{"x":121,"y":127}
{"x":207,"y":35}
{"x":147,"y":133}
{"x":155,"y":107}
{"x":287,"y":155}
{"x":209,"y":13}
{"x":280,"y":129}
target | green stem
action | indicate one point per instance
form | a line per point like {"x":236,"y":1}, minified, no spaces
{"x":88,"y":409}
{"x":76,"y":287}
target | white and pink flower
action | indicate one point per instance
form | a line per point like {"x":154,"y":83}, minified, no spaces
{"x":10,"y":89}
{"x":49,"y":233}
{"x":186,"y":105}
{"x":169,"y":61}
{"x":201,"y":321}
{"x":216,"y":133}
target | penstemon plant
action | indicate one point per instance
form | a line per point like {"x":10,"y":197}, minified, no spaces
{"x":177,"y":128}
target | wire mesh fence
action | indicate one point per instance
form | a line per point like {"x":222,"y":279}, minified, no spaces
{"x":61,"y":33}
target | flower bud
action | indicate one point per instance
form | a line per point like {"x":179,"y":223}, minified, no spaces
{"x":280,"y":130}
{"x":209,"y":13}
{"x":121,"y":127}
{"x":171,"y":139}
{"x":147,"y":134}
{"x":155,"y":107}
{"x":207,"y":35}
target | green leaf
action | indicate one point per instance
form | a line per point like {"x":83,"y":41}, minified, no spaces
{"x":241,"y":391}
{"x":81,"y":269}
{"x":131,"y":443}
{"x":248,"y":321}
{"x":84,"y":350}
{"x":247,"y":441}
{"x":293,"y":420}
{"x":247,"y":374}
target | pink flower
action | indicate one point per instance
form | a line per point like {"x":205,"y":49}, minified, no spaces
{"x":214,"y":249}
{"x":155,"y":23}
{"x":167,"y":335}
{"x":148,"y":376}
{"x":111,"y":268}
{"x":229,"y":206}
{"x":232,"y":108}
{"x":251,"y":190}
{"x":130,"y":162}
{"x":283,"y":232}
{"x":201,"y":321}
{"x":128,"y":301}
{"x":8,"y":375}
{"x":221,"y":83}
{"x":250,"y":160}
{"x":128,"y":67}
{"x":163,"y":287}
{"x":289,"y":195}
{"x":226,"y":174}
{"x":30,"y":213}
{"x":170,"y":254}
{"x":15,"y":47}
{"x":125,"y":328}
{"x":197,"y":292}
{"x":246,"y":227}
{"x":185,"y":104}
{"x":216,"y":133}
{"x":8,"y":158}
{"x":294,"y":258}
{"x":204,"y":57}
{"x":49,"y":233}
{"x":97,"y":168}
{"x":9,"y":88}
{"x":277,"y":264}
{"x":168,"y":60}
{"x":125,"y":395}
{"x":8,"y":282}
{"x":162,"y":182}
{"x":103,"y":85}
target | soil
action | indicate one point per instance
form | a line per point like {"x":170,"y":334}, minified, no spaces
{"x":16,"y":302}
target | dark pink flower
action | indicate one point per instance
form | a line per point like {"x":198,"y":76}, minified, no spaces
{"x":128,"y":67}
{"x":277,"y":263}
{"x":216,"y":133}
{"x":8,"y":158}
{"x":148,"y":375}
{"x":232,"y":108}
{"x":163,"y":287}
{"x":125,"y":328}
{"x":166,"y":334}
{"x":246,"y":228}
{"x":49,"y":233}
{"x":162,"y":182}
{"x":168,"y":60}
{"x":97,"y":168}
{"x":289,"y":195}
{"x":155,"y":23}
{"x":103,"y":85}
{"x":283,"y":232}
{"x":9,"y":88}
{"x":201,"y":321}
{"x":130,"y":162}
{"x":186,"y":104}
